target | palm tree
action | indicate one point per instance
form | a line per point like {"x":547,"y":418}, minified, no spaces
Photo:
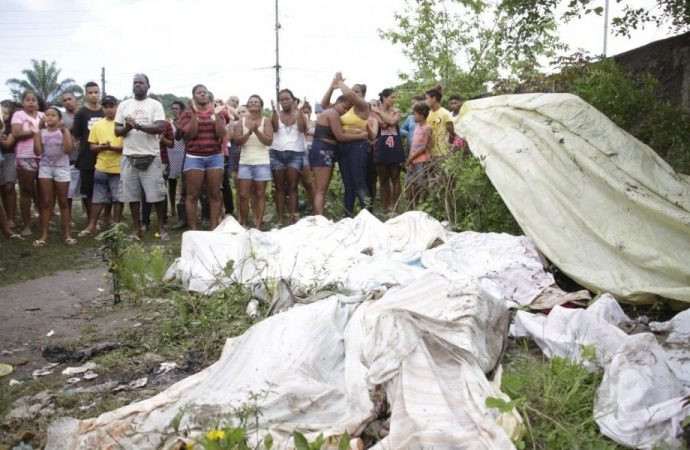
{"x":42,"y":78}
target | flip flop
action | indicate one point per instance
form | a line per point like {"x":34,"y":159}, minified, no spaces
{"x":16,"y":236}
{"x":26,"y":232}
{"x":39,"y":243}
{"x":84,"y":233}
{"x":70,"y":241}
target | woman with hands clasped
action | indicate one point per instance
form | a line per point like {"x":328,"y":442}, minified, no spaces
{"x":53,"y":145}
{"x":255,"y":135}
{"x":204,"y":132}
{"x":287,"y":152}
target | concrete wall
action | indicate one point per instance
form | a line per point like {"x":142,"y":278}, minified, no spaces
{"x":668,"y":61}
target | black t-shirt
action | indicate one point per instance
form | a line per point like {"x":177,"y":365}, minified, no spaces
{"x":83,"y":120}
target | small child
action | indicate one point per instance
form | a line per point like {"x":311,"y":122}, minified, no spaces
{"x":419,"y":153}
{"x":106,"y":186}
{"x":53,"y":145}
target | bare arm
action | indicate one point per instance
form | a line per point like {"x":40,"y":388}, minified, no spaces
{"x":372,"y":128}
{"x":122,"y":130}
{"x":21,"y":135}
{"x":361,"y":106}
{"x":220,"y":127}
{"x":326,"y":100}
{"x":301,"y":122}
{"x":337,"y":129}
{"x":38,"y":145}
{"x":275,"y":116}
{"x":190,"y":129}
{"x":389,"y":118}
{"x":230,"y":131}
{"x":66,"y":141}
{"x":265,"y":136}
{"x":451,"y":131}
{"x":240,"y":137}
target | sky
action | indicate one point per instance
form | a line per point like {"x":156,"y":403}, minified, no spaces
{"x":229,"y":45}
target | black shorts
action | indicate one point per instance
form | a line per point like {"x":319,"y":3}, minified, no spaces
{"x":86,"y":182}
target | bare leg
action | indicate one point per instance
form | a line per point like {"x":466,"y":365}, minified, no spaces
{"x":244,"y":192}
{"x":279,"y":184}
{"x":291,"y":190}
{"x":322,"y":176}
{"x":160,"y":216}
{"x":260,"y":192}
{"x":61,"y":189}
{"x":9,"y":200}
{"x":135,"y":211}
{"x":194,"y":179}
{"x":48,"y":193}
{"x":305,"y":179}
{"x":214,"y":180}
{"x":27,"y":191}
{"x":395,"y":182}
{"x":384,"y":180}
{"x":172,"y":194}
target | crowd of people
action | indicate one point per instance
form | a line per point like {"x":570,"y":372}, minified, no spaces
{"x":109,"y":153}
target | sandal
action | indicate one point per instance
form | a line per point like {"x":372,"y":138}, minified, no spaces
{"x":70,"y":241}
{"x":84,"y":233}
{"x":26,"y":232}
{"x":16,"y":236}
{"x":39,"y":243}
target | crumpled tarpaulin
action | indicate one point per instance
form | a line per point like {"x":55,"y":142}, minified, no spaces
{"x":317,"y":367}
{"x":639,"y":403}
{"x":601,"y":205}
{"x":364,"y":254}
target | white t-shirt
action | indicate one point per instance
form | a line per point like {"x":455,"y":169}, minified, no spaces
{"x":144,"y":112}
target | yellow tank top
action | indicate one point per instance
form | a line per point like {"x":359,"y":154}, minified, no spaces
{"x":351,"y":121}
{"x":254,"y":152}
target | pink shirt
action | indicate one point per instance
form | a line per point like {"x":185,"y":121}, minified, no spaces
{"x":420,"y":142}
{"x":25,"y":148}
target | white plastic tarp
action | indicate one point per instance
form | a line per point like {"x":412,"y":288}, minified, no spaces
{"x":316,"y":367}
{"x":639,"y":403}
{"x":606,"y":209}
{"x":363,"y":254}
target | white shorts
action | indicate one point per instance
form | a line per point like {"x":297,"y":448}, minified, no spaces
{"x":57,"y":173}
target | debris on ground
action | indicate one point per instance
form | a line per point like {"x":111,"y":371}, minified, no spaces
{"x":81,"y":369}
{"x":135,"y":384}
{"x":45,"y":370}
{"x":60,"y":354}
{"x":30,"y":407}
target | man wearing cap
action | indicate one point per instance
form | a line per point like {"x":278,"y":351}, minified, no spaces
{"x":106,"y":180}
{"x":138,"y":121}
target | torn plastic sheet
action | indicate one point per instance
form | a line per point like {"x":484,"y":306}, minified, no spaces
{"x":640,"y":400}
{"x":320,"y":364}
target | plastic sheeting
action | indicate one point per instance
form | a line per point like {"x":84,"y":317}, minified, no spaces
{"x":317,"y":367}
{"x":640,"y":400}
{"x":364,"y":254}
{"x":606,"y":209}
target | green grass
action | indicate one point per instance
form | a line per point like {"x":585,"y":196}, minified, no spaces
{"x":555,"y":398}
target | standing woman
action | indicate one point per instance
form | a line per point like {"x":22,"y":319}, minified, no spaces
{"x":53,"y":146}
{"x":175,"y":154}
{"x":389,"y":155}
{"x":8,"y":166}
{"x":24,"y":124}
{"x":255,"y":135}
{"x":204,"y":132}
{"x":352,"y":158}
{"x":287,"y":152}
{"x":305,"y":176}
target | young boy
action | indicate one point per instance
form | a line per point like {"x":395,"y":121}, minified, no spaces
{"x":108,"y":148}
{"x":419,"y":152}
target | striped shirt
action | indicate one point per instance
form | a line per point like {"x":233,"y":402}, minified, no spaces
{"x":205,"y":143}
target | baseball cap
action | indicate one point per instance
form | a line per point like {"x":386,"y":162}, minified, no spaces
{"x":109,"y":100}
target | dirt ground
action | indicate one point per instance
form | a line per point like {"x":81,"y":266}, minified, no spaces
{"x":71,"y":306}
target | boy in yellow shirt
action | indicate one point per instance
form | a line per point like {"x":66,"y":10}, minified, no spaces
{"x":108,"y":147}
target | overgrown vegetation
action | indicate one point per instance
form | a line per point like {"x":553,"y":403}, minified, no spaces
{"x":554,"y":398}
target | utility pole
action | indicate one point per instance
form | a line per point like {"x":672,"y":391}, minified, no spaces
{"x":606,"y":25}
{"x":277,"y":66}
{"x":103,"y":80}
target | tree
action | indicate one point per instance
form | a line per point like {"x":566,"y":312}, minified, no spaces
{"x":466,"y":44}
{"x":42,"y":78}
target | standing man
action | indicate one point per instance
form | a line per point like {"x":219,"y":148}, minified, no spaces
{"x":441,"y":123}
{"x":138,"y":121}
{"x":84,"y":119}
{"x":69,"y":102}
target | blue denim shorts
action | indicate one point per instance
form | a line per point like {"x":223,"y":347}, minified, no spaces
{"x":193,"y":162}
{"x":282,"y":159}
{"x":323,"y":154}
{"x":259,"y":172}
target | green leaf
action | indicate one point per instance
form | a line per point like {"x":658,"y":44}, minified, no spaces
{"x":300,"y":441}
{"x":268,"y":441}
{"x":318,"y":443}
{"x":500,"y":404}
{"x":344,"y":442}
{"x":588,"y":352}
{"x":511,"y":385}
{"x":598,"y":10}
